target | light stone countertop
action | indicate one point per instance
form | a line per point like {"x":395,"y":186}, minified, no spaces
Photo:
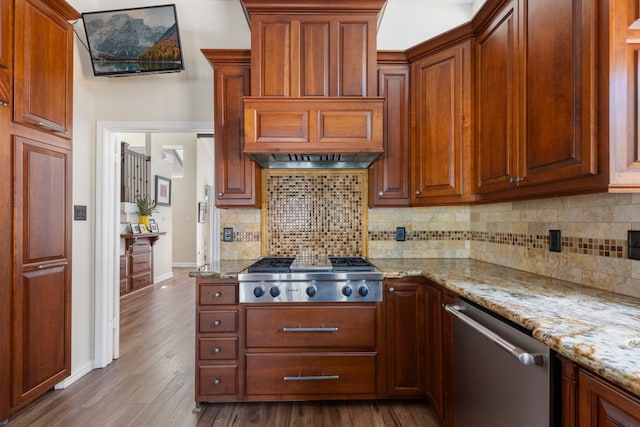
{"x":597,"y":329}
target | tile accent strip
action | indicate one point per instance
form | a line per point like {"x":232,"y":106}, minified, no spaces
{"x":244,"y":236}
{"x":613,"y":248}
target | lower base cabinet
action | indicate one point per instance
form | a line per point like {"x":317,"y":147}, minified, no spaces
{"x":602,"y":404}
{"x":591,"y":401}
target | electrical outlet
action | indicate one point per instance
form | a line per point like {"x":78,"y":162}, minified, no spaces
{"x":634,"y":244}
{"x":401,"y":234}
{"x":79,"y":212}
{"x":555,"y":241}
{"x":227,"y":234}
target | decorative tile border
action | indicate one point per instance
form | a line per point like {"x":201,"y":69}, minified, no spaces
{"x":244,"y":236}
{"x":578,"y":245}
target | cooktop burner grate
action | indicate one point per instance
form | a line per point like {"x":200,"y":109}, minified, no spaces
{"x":271,"y":265}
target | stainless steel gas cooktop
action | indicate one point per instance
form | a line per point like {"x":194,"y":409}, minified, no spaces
{"x":310,"y":279}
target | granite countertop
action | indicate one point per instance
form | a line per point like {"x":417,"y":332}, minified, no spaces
{"x":225,"y":269}
{"x":597,"y":329}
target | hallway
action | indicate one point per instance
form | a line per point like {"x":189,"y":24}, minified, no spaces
{"x":152,"y":382}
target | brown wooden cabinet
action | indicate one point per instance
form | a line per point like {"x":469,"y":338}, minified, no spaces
{"x":304,"y":49}
{"x":601,"y":404}
{"x":326,"y":351}
{"x":6,"y":57}
{"x":591,"y":401}
{"x":237,"y":176}
{"x":44,"y":65}
{"x":623,"y":96}
{"x":405,"y":336}
{"x":439,"y":352}
{"x":389,"y":175}
{"x":137,"y":261}
{"x":42,"y":288}
{"x":539,"y":111}
{"x":219,"y":366}
{"x":441,"y":142}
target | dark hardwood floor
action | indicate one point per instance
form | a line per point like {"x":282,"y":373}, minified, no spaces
{"x":151,"y":384}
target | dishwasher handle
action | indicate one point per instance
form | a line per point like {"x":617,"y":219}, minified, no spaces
{"x":524,"y":357}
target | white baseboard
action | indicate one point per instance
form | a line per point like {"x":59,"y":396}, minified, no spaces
{"x":184,"y":264}
{"x":162,"y":277}
{"x":75,"y":376}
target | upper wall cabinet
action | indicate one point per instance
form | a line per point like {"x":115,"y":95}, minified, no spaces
{"x":540,"y":116}
{"x":441,"y":146}
{"x":6,"y":37}
{"x":624,"y":98}
{"x":44,"y":66}
{"x":306,"y":48}
{"x":237,"y":176}
{"x":389,"y":175}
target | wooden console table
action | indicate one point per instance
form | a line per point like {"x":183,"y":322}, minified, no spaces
{"x":136,"y":265}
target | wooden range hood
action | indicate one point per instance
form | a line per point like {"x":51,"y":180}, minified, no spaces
{"x":313,"y":84}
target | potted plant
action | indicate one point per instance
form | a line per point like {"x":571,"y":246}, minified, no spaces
{"x":146,"y":206}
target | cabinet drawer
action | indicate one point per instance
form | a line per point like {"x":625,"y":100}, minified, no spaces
{"x":218,"y":348}
{"x":140,"y":246}
{"x":141,"y":280}
{"x":317,"y":373}
{"x":140,"y":262}
{"x":218,"y":294}
{"x":124,"y":268}
{"x":218,"y":321}
{"x":347,"y":326}
{"x":218,"y":379}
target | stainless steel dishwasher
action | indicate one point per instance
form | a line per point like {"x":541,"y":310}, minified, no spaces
{"x":503,"y":376}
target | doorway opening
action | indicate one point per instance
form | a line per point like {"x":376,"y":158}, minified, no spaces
{"x":107,"y":253}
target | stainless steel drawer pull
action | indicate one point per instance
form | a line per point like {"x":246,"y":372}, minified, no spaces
{"x":47,"y":127}
{"x":217,"y":350}
{"x":312,"y":378}
{"x":53,"y":264}
{"x":217,"y":381}
{"x":217,"y":295}
{"x":285,"y":329}
{"x":216,"y":323}
{"x":3,"y":102}
{"x":520,"y":354}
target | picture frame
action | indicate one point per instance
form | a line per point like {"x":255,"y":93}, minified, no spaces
{"x":143,"y":228}
{"x":202,"y":210}
{"x":154,"y":227}
{"x":163,"y":191}
{"x":135,"y":228}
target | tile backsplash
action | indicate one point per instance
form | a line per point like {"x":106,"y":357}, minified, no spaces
{"x":315,"y":213}
{"x":514,"y":234}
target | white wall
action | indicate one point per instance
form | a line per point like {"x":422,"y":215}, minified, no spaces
{"x":184,"y":202}
{"x":205,"y":174}
{"x":181,"y":97}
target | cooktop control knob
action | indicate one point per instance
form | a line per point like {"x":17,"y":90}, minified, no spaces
{"x":347,"y":291}
{"x":259,"y":291}
{"x":275,"y":291}
{"x":363,"y":290}
{"x":312,"y":291}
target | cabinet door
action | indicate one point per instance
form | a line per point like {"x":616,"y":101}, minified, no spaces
{"x":441,"y":146}
{"x":6,"y":38}
{"x":405,"y":317}
{"x":559,"y":81}
{"x":237,"y":176}
{"x":321,"y":55}
{"x":624,"y":102}
{"x":389,"y":175}
{"x":496,"y":103}
{"x":601,"y":405}
{"x":6,"y":260}
{"x":42,"y":288}
{"x":44,"y":68}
